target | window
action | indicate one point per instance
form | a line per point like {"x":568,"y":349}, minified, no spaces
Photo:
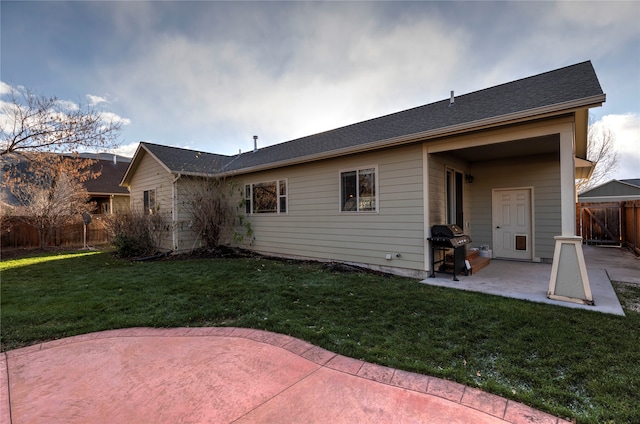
{"x":149,"y":197}
{"x":267,"y":197}
{"x":358,"y":190}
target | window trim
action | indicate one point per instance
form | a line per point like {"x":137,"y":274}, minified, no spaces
{"x":249,"y":200}
{"x":376,"y":189}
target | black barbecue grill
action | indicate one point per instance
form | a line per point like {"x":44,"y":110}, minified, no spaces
{"x":444,"y":238}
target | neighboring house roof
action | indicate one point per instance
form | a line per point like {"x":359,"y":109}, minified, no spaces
{"x":107,"y":183}
{"x":633,"y":181}
{"x":109,"y":180}
{"x":563,"y":90}
{"x":104,"y":156}
{"x":612,"y":191}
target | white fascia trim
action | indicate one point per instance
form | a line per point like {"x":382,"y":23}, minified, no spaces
{"x":135,"y":161}
{"x":608,"y":199}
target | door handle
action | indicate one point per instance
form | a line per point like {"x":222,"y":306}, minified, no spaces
{"x":498,"y":226}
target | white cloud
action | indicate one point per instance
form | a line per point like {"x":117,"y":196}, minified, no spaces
{"x":94,"y":100}
{"x":324,"y":73}
{"x":215,"y":73}
{"x":67,"y":105}
{"x":626,"y":131}
{"x":127,"y":150}
{"x":5,"y":88}
{"x":621,"y":16}
{"x":116,"y":119}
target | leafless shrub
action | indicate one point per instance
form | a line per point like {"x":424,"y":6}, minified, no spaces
{"x":213,"y":204}
{"x":135,"y":234}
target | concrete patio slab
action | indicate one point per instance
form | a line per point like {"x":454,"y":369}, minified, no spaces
{"x":227,"y":376}
{"x":530,"y":281}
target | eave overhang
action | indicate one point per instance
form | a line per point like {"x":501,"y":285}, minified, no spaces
{"x":584,"y":168}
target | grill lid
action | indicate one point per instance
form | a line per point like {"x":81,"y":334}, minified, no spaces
{"x":448,"y":231}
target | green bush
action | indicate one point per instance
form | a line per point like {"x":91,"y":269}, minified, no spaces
{"x":129,"y":247}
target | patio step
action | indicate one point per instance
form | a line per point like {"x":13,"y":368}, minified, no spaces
{"x":477,"y":262}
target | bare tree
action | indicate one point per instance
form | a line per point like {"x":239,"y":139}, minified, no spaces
{"x":35,"y":132}
{"x":50,"y":192}
{"x":32,"y":123}
{"x":601,"y":151}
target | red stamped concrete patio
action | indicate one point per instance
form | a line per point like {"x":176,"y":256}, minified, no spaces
{"x":227,"y":375}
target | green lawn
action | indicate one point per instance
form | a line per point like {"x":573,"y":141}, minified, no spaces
{"x":571,"y":363}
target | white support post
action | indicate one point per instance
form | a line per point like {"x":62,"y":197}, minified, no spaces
{"x":569,"y":280}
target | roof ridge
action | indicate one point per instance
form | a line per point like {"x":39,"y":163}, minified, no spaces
{"x":553,"y":71}
{"x":627,"y":181}
{"x":426,"y":105}
{"x":163,"y":146}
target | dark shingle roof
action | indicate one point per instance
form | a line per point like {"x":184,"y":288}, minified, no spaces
{"x":187,"y":161}
{"x":613,"y":188}
{"x":562,"y":89}
{"x":110,"y":176}
{"x":633,"y":181}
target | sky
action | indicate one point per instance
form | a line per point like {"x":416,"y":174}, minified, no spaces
{"x":210,"y":75}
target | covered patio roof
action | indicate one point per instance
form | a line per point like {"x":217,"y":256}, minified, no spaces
{"x":522,"y":148}
{"x":530,"y":281}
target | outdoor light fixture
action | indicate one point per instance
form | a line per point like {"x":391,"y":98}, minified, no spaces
{"x":469,"y":178}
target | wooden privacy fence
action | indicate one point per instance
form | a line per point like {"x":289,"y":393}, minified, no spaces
{"x":16,"y":234}
{"x":631,"y":225}
{"x":613,"y":223}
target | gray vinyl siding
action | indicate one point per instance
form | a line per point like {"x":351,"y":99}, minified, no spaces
{"x":151,"y":175}
{"x":540,"y":172}
{"x":314,"y":226}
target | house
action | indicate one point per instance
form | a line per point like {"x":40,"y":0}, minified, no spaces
{"x":612,"y":191}
{"x":105,"y":190}
{"x":18,"y":230}
{"x":500,"y":163}
{"x":609,"y":214}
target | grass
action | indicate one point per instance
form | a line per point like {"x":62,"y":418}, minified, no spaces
{"x":568,"y":362}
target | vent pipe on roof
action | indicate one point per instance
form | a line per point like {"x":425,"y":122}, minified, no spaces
{"x":452,"y":100}
{"x":255,"y":143}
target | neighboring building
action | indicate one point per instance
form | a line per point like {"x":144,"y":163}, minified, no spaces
{"x":612,"y":191}
{"x":610,"y":214}
{"x":105,"y":190}
{"x":499,"y":162}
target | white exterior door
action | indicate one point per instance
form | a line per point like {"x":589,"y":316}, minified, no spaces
{"x":512,"y":224}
